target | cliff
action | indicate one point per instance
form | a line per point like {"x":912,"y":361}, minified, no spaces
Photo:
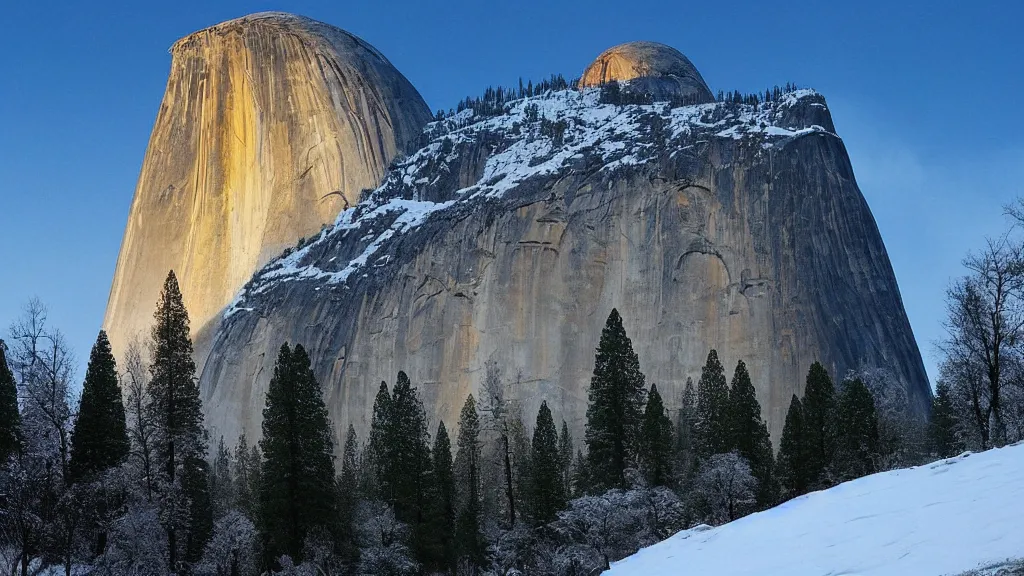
{"x":509,"y":239}
{"x":270,"y":125}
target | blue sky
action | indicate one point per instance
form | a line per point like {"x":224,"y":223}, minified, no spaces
{"x":926,"y":95}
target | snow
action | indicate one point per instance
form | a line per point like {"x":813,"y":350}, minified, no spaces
{"x":615,"y":133}
{"x":947,"y":517}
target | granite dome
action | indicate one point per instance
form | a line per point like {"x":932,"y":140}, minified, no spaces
{"x":656,"y":68}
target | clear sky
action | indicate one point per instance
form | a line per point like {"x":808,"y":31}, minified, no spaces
{"x":927,"y":96}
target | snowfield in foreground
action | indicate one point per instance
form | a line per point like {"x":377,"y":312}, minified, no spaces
{"x":942,"y":518}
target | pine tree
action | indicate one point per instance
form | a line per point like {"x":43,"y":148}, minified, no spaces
{"x":711,"y":429}
{"x":565,"y":454}
{"x":347,"y":498}
{"x":99,"y":440}
{"x":222,"y":482}
{"x":749,"y":434}
{"x":685,"y":455}
{"x":656,"y":445}
{"x":297,"y":491}
{"x":245,"y":473}
{"x":941,"y":425}
{"x":180,"y":443}
{"x":819,"y":426}
{"x":443,"y":500}
{"x":580,"y":475}
{"x":616,"y":408}
{"x":9,"y":418}
{"x":547,"y":493}
{"x":468,"y":537}
{"x":856,"y":427}
{"x":792,"y":460}
{"x":407,"y":462}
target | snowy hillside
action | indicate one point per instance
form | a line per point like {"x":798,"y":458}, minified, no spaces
{"x":947,"y":517}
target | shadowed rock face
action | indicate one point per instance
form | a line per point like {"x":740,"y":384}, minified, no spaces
{"x":270,"y":125}
{"x":710,"y":226}
{"x":649,"y":67}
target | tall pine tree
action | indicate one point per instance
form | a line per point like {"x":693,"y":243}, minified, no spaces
{"x":749,"y":434}
{"x":378,"y":452}
{"x":615,"y":411}
{"x":792,"y":460}
{"x":856,"y":423}
{"x":180,"y":439}
{"x":348,"y":497}
{"x":656,"y":445}
{"x":443,"y":503}
{"x":565,"y":453}
{"x":711,"y":429}
{"x":468,"y":536}
{"x":407,"y":467}
{"x":941,"y":425}
{"x":685,"y":450}
{"x":297,"y":490}
{"x":547,"y":492}
{"x":9,"y":418}
{"x":819,"y":426}
{"x":99,"y":440}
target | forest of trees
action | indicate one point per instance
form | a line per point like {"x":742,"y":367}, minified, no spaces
{"x":126,"y":480}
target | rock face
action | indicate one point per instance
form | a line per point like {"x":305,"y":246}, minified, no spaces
{"x":509,"y":239}
{"x":650,"y":67}
{"x":270,"y":125}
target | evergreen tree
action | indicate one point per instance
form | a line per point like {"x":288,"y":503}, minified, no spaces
{"x":468,"y":536}
{"x":443,"y":500}
{"x":580,"y":475}
{"x":348,"y":496}
{"x":685,"y":456}
{"x":656,"y":441}
{"x":941,"y":425}
{"x":195,"y":482}
{"x":749,"y":434}
{"x":378,"y":450}
{"x":222,"y":483}
{"x":99,"y":440}
{"x":616,"y":408}
{"x":297,"y":490}
{"x":856,"y":426}
{"x":819,"y":426}
{"x":180,"y":440}
{"x":407,"y":462}
{"x":547,"y":493}
{"x":9,"y":418}
{"x":792,"y":461}
{"x":711,"y":429}
{"x":245,"y":473}
{"x":565,"y":453}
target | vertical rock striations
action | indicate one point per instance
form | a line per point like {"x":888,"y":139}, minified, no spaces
{"x":270,"y":125}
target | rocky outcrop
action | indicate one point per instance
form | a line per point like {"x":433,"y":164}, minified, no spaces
{"x":509,"y":239}
{"x":650,"y":67}
{"x":270,"y":125}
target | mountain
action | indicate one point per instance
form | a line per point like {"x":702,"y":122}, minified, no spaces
{"x":949,"y":517}
{"x":513,"y":230}
{"x":270,"y":125}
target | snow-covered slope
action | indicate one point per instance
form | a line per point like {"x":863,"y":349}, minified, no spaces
{"x":943,"y":518}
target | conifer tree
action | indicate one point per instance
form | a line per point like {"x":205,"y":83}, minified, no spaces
{"x":565,"y":454}
{"x":547,"y":493}
{"x":443,"y":500}
{"x":297,"y":489}
{"x":469,"y":539}
{"x":819,"y":426}
{"x":245,"y":472}
{"x":792,"y":461}
{"x":616,"y":408}
{"x":685,"y":456}
{"x":407,"y":462}
{"x":749,"y":434}
{"x":580,"y":475}
{"x":180,"y":440}
{"x":9,"y":417}
{"x":656,"y":441}
{"x":856,"y":424}
{"x":99,"y":440}
{"x":348,"y":495}
{"x":222,"y":483}
{"x":941,"y":425}
{"x":378,"y":450}
{"x":711,"y":429}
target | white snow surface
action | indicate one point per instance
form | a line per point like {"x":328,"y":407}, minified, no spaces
{"x":947,"y":517}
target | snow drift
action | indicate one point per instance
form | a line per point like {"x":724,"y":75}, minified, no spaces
{"x":947,"y":517}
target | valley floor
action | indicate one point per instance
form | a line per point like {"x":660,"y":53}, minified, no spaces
{"x":963,"y":514}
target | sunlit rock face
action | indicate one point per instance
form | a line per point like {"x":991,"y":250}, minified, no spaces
{"x":270,"y":125}
{"x":660,"y":70}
